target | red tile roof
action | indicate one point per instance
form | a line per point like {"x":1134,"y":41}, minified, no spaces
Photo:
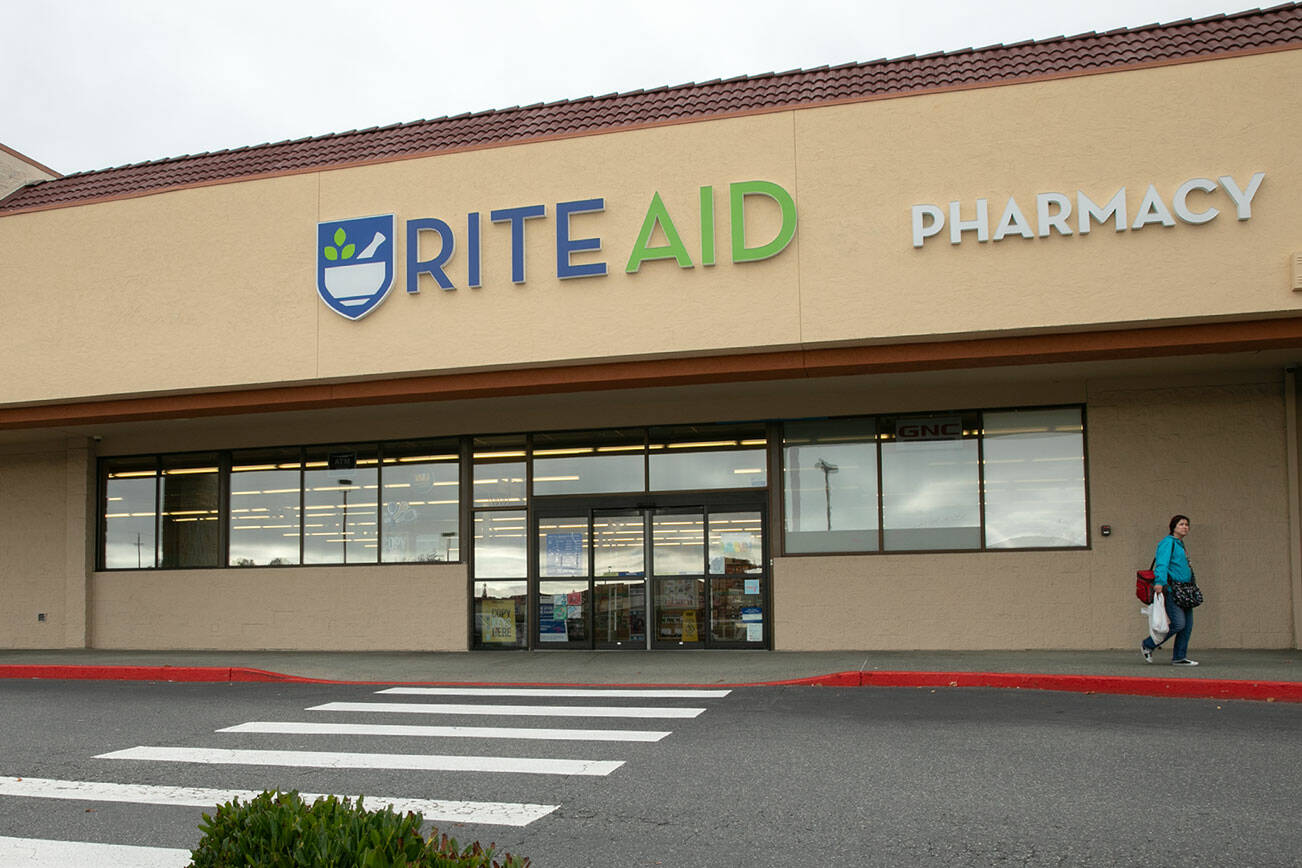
{"x":1253,"y":31}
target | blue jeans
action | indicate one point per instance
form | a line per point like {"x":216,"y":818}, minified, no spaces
{"x":1181,"y":627}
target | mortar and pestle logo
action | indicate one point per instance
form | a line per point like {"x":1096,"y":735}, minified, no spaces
{"x":353,"y":284}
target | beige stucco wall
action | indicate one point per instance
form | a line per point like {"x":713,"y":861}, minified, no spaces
{"x":215,"y":286}
{"x":16,"y":170}
{"x":46,"y":534}
{"x":393,"y":608}
{"x":1214,"y":452}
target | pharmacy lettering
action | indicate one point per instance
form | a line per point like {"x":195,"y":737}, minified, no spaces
{"x":354,"y":283}
{"x":1192,"y":202}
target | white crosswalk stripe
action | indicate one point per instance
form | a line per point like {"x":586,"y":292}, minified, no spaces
{"x":422,"y":731}
{"x":494,"y":813}
{"x":345,"y":760}
{"x":512,"y":710}
{"x":40,"y":853}
{"x":559,"y":693}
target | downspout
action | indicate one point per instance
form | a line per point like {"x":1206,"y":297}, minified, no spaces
{"x":1294,"y":502}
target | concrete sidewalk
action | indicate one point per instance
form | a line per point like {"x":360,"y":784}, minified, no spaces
{"x":1080,"y":670}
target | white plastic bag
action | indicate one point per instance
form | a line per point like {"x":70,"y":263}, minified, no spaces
{"x":1158,"y":623}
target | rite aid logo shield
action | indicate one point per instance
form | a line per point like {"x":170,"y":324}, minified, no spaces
{"x":354,"y":264}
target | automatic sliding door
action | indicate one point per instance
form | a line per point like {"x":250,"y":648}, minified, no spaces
{"x":564,"y":582}
{"x":737,"y":580}
{"x":619,"y":586}
{"x":678,"y":576}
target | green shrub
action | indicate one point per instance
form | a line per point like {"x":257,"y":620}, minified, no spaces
{"x":280,"y":830}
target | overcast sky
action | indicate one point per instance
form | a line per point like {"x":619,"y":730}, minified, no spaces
{"x":89,"y":84}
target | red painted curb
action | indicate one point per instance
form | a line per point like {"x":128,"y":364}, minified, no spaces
{"x":1193,"y":688}
{"x":142,"y":673}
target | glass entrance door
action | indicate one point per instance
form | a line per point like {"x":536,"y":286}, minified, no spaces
{"x":651,"y":577}
{"x":619,"y":580}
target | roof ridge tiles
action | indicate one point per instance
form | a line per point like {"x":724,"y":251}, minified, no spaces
{"x":1114,"y":49}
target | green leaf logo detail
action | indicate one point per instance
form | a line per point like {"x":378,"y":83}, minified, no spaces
{"x":340,"y":250}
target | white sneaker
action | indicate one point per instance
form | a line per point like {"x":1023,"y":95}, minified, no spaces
{"x":1184,"y":662}
{"x":1148,"y":655}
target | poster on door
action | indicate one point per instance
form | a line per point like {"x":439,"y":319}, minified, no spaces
{"x":498,"y":624}
{"x":565,"y":554}
{"x":551,"y":622}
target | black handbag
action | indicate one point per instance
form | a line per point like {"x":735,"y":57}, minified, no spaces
{"x":1185,"y":594}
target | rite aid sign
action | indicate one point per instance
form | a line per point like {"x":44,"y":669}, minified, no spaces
{"x":356,"y":257}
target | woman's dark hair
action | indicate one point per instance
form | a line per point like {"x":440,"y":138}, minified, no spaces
{"x":1176,"y":519}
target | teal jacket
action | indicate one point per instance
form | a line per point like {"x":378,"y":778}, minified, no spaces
{"x":1171,"y":562}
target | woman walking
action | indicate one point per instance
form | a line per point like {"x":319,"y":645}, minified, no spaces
{"x":1170,"y":565}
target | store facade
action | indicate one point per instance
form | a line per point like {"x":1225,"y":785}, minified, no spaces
{"x":914,"y":354}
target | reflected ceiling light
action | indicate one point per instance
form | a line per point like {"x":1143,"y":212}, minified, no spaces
{"x":703,"y":444}
{"x":186,"y":471}
{"x":574,"y":478}
{"x":741,"y":470}
{"x":636,"y":448}
{"x":575,"y":450}
{"x":245,"y":467}
{"x":508,"y":454}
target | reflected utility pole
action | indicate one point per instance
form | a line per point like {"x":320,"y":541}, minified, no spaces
{"x":828,"y":469}
{"x":343,"y":521}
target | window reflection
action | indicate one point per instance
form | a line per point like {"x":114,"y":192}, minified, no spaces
{"x":265,"y":506}
{"x":130,"y":519}
{"x":736,"y":543}
{"x":1034,"y":463}
{"x":690,"y":457}
{"x":340,"y":506}
{"x":678,"y":543}
{"x":421,"y":503}
{"x":500,"y":545}
{"x":563,"y":546}
{"x":830,"y":485}
{"x":589,"y":462}
{"x":499,"y":472}
{"x":930,"y":490}
{"x":191,"y":523}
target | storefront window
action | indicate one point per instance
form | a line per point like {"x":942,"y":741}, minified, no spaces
{"x":1034,"y":463}
{"x":736,"y":543}
{"x":265,"y":503}
{"x":340,"y":505}
{"x":830,"y":485}
{"x":500,"y":544}
{"x":589,"y":462}
{"x":499,"y":471}
{"x":930,"y":483}
{"x":692,"y":457}
{"x":190,"y":491}
{"x":130,"y":514}
{"x":421,"y":502}
{"x":678,"y":542}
